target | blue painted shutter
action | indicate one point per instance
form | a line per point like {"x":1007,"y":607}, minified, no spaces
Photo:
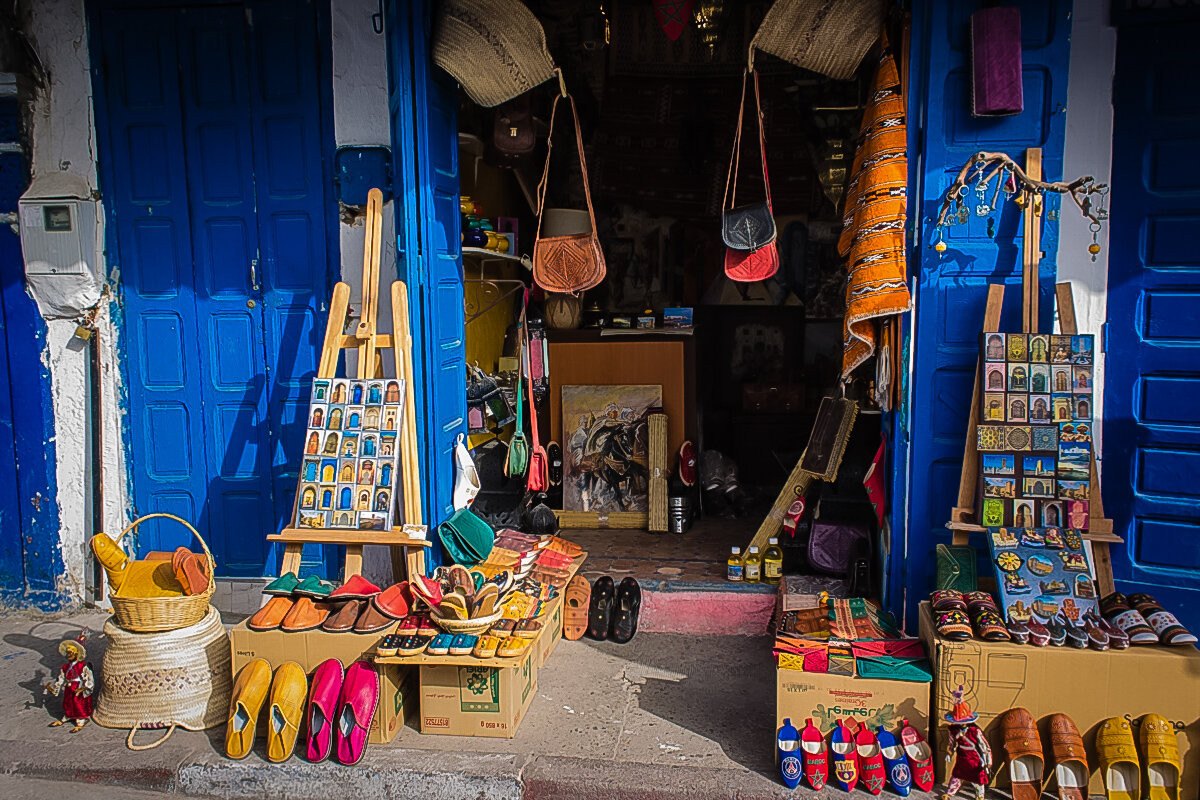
{"x":423,"y":102}
{"x":952,"y":287}
{"x":1152,"y":367}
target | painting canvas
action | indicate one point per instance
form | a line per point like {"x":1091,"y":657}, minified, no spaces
{"x":607,"y":447}
{"x":348,"y":476}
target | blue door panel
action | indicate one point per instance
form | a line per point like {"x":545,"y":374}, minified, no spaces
{"x":217,"y":190}
{"x":952,"y":286}
{"x":1152,"y":368}
{"x":423,"y":102}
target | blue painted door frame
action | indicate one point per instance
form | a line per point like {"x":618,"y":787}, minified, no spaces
{"x":951,"y":288}
{"x":30,"y":558}
{"x":1152,"y":365}
{"x":215,"y":171}
{"x":423,"y":102}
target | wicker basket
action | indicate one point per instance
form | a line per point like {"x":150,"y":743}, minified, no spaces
{"x":163,"y":680}
{"x":473,"y":626}
{"x":154,"y":614}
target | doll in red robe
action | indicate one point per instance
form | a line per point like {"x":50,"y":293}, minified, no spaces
{"x":968,"y":755}
{"x":76,"y":680}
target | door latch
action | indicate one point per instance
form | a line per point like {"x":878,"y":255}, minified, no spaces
{"x":254,"y":275}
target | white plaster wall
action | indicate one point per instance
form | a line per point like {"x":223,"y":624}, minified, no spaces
{"x":63,"y":136}
{"x":1088,"y":152}
{"x":360,"y":116}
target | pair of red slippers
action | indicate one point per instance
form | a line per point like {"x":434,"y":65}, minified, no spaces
{"x":341,"y":707}
{"x":858,"y":755}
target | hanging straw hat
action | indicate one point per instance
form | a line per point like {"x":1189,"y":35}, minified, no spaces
{"x":826,"y":36}
{"x":495,"y":48}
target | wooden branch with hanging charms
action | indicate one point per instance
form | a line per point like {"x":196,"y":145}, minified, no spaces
{"x":984,"y":167}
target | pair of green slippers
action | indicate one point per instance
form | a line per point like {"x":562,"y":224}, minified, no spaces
{"x":289,"y":584}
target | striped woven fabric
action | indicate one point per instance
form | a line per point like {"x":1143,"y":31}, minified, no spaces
{"x":872,"y":237}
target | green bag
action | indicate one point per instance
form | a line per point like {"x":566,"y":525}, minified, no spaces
{"x":896,"y":668}
{"x":518,"y":447}
{"x":467,"y":538}
{"x":956,"y":567}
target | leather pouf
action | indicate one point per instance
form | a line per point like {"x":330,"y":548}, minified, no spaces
{"x":180,"y":678}
{"x":564,"y":311}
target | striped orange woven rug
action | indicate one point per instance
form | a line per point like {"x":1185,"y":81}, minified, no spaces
{"x":872,"y":237}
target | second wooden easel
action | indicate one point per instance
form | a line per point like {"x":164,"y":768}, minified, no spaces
{"x":408,"y":542}
{"x":964,"y":518}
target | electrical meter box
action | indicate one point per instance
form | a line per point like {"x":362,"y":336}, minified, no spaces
{"x":58,"y":226}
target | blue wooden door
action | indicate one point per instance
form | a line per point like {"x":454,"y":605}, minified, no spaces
{"x":1152,"y":365}
{"x":952,"y":286}
{"x":216,"y":187}
{"x":423,"y":102}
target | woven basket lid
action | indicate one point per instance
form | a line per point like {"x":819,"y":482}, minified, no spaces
{"x":826,"y":36}
{"x":495,"y":48}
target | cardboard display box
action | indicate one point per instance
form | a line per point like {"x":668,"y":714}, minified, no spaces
{"x":397,"y":682}
{"x":477,"y":701}
{"x":1087,"y":685}
{"x":552,"y":622}
{"x":868,"y":701}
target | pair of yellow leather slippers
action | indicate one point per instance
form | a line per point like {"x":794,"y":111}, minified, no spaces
{"x":284,"y":696}
{"x":159,"y":574}
{"x":1119,"y":758}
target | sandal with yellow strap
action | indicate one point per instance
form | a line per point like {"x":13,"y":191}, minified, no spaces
{"x":1161,"y":751}
{"x":1119,"y":760}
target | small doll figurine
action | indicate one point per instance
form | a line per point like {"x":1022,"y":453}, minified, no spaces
{"x":968,"y":756}
{"x":76,"y":680}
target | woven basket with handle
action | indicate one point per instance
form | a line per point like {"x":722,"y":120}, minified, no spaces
{"x":151,"y":614}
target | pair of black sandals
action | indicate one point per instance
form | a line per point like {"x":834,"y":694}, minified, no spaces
{"x":613,"y":610}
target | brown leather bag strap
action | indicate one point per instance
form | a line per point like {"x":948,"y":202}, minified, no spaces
{"x":542,"y":185}
{"x":730,"y":197}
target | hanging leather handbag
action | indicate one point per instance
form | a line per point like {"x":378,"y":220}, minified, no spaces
{"x":748,"y":230}
{"x":513,"y":134}
{"x":572,"y":263}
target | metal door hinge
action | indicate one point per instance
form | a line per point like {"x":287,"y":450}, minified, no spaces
{"x":1104,"y":338}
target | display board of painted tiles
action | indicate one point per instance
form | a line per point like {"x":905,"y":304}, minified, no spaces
{"x":348,"y":477}
{"x":1035,"y":430}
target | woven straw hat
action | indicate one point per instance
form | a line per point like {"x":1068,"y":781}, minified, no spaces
{"x":826,"y":36}
{"x":495,"y":48}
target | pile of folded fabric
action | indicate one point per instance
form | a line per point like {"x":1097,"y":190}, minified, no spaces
{"x":850,"y":637}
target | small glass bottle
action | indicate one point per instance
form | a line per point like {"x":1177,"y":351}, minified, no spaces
{"x":733,"y":566}
{"x":752,"y":566}
{"x":772,"y":562}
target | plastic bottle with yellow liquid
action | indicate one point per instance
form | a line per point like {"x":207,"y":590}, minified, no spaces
{"x":772,"y":562}
{"x":733,"y":565}
{"x":752,"y":566}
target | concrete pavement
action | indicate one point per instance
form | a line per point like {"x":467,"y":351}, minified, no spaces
{"x":666,"y":716}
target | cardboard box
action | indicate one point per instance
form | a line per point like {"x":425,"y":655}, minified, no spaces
{"x":868,"y":701}
{"x":477,"y":701}
{"x":397,"y":683}
{"x":1087,"y":685}
{"x":552,"y":621}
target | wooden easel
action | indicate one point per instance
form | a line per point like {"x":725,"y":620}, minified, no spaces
{"x":965,"y":515}
{"x":409,"y":541}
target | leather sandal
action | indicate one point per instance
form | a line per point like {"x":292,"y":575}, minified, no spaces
{"x":985,"y":617}
{"x":600,"y":609}
{"x":1119,"y":760}
{"x":271,"y":615}
{"x":1070,"y":758}
{"x":1026,"y":764}
{"x":1117,"y":610}
{"x":626,"y":607}
{"x":344,"y":616}
{"x":575,"y":611}
{"x":305,"y":615}
{"x":953,"y":625}
{"x":947,"y":600}
{"x":1162,"y":757}
{"x":371,"y":619}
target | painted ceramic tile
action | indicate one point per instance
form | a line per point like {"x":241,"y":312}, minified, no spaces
{"x":320,"y":392}
{"x":1081,"y":380}
{"x":1037,"y":466}
{"x":1075,"y":432}
{"x":1018,"y":377}
{"x":1060,"y":349}
{"x":995,"y":378}
{"x":993,"y":406}
{"x":1018,"y":437}
{"x":1045,"y":438}
{"x":1060,"y":407}
{"x":1018,"y":347}
{"x":1074,"y":461}
{"x":313,"y":519}
{"x":1052,"y":513}
{"x":1082,"y":408}
{"x":999,"y":487}
{"x":999,"y":464}
{"x":1081,"y":349}
{"x":990,"y":437}
{"x":994,"y":512}
{"x":1039,"y":349}
{"x":1077,"y":514}
{"x":1039,"y":408}
{"x":325,"y":496}
{"x":1039,"y":378}
{"x":1038,"y":487}
{"x":1018,"y":408}
{"x":1060,"y":379}
{"x":1023,"y":515}
{"x":1073,"y":490}
{"x":993,"y":349}
{"x":354,"y":417}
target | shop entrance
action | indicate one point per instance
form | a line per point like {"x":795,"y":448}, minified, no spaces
{"x":1150,"y":413}
{"x":212,"y":140}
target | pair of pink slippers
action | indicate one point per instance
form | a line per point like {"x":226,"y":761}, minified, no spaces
{"x":340,"y":709}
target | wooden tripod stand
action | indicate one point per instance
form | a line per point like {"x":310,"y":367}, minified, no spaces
{"x":965,"y":515}
{"x":409,"y":541}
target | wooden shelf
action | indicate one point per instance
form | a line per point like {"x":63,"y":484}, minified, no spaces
{"x":395,"y":537}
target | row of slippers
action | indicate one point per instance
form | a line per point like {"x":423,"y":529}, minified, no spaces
{"x":358,"y":605}
{"x":1119,"y":765}
{"x":514,"y":643}
{"x":857,"y":755}
{"x":604,"y":610}
{"x":334,"y":714}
